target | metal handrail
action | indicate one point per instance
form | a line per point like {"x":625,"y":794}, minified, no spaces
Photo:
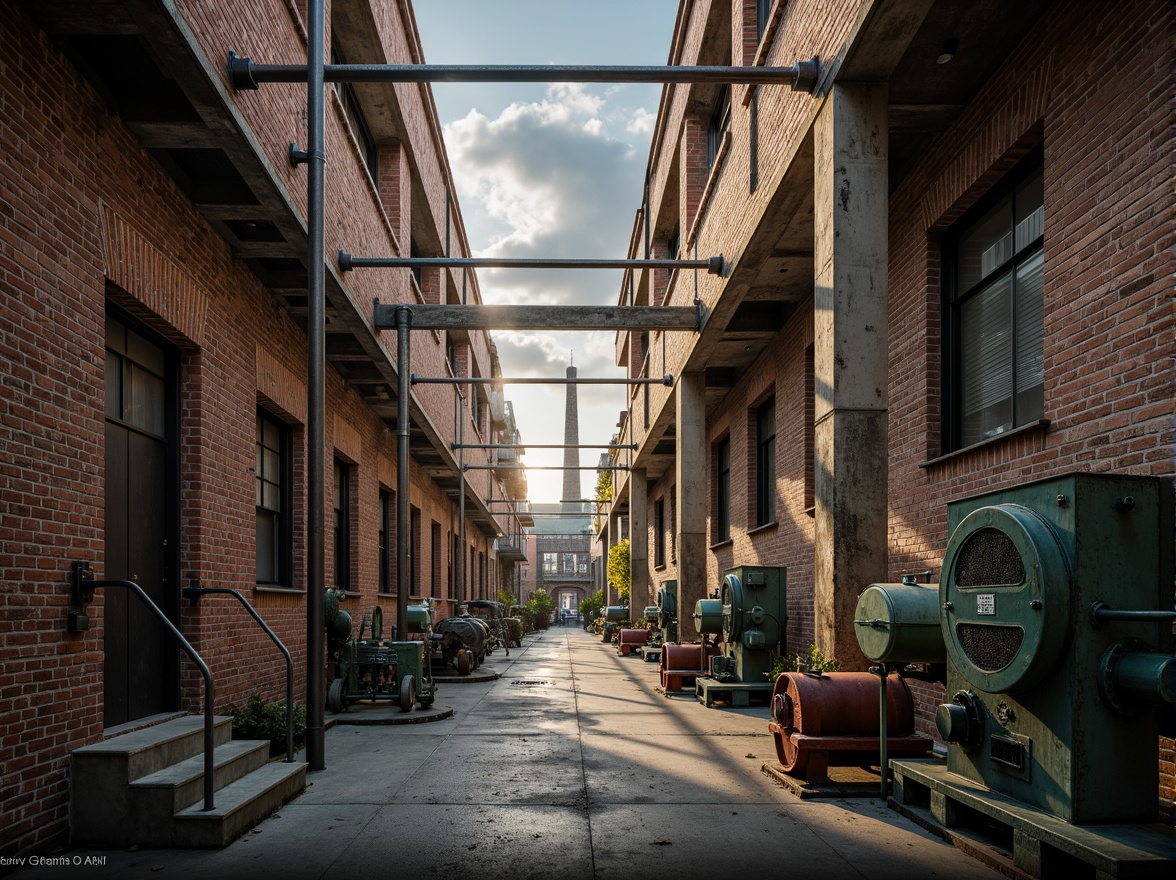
{"x":82,"y":584}
{"x":194,"y":593}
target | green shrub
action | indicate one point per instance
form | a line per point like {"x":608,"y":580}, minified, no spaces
{"x":814,"y":662}
{"x":260,"y":719}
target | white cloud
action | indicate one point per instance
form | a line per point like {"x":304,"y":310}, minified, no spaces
{"x":641,"y":122}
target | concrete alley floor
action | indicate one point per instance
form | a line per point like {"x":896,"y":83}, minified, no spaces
{"x":570,"y":765}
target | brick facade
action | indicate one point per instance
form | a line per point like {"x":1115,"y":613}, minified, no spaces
{"x":90,"y":225}
{"x":1108,"y":320}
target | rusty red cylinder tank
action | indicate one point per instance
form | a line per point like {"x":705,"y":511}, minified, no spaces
{"x":631,"y":640}
{"x":833,"y":717}
{"x":679,"y":662}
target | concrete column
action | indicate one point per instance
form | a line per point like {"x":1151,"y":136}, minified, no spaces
{"x":691,"y":479}
{"x":610,"y":538}
{"x":639,"y":592}
{"x":850,"y":367}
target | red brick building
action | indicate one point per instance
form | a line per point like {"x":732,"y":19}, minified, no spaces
{"x":960,"y":172}
{"x":153,"y":348}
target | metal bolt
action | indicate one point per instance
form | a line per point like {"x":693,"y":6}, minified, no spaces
{"x":1035,"y":604}
{"x":1061,"y":500}
{"x":947,"y":606}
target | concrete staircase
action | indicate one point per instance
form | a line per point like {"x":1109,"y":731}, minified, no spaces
{"x":146,"y":787}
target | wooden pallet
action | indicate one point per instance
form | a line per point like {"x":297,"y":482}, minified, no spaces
{"x":736,"y":693}
{"x":985,"y":823}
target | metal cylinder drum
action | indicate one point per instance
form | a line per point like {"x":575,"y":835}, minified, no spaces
{"x":836,"y":704}
{"x":632,"y":639}
{"x":616,"y":613}
{"x":678,"y":661}
{"x":419,"y":619}
{"x":708,"y":616}
{"x":899,"y":623}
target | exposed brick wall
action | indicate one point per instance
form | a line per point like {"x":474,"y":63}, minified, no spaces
{"x":87,"y":217}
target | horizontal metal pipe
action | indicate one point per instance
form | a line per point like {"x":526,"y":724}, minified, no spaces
{"x":539,"y":467}
{"x":802,"y":76}
{"x":535,"y":380}
{"x":532,"y":317}
{"x":347,"y":262}
{"x":542,"y":445}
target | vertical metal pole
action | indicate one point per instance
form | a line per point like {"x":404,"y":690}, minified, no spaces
{"x":403,"y":524}
{"x":316,"y":400}
{"x":459,"y":593}
{"x":884,"y":758}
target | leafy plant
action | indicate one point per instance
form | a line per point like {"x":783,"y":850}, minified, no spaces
{"x":619,"y":574}
{"x":591,"y":606}
{"x":262,"y":719}
{"x":506,"y":597}
{"x":814,"y":662}
{"x":540,"y":602}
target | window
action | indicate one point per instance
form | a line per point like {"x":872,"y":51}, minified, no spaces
{"x":355,"y":118}
{"x":720,"y":123}
{"x":995,"y":296}
{"x":722,"y":491}
{"x":659,"y":526}
{"x":765,"y":463}
{"x":550,"y":563}
{"x":414,"y":549}
{"x":435,"y":558}
{"x":342,"y":526}
{"x":762,"y":9}
{"x":272,"y":484}
{"x":385,"y":537}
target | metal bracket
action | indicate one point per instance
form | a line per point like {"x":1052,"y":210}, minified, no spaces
{"x":82,"y":574}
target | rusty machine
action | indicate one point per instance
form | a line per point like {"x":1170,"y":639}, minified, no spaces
{"x":374,"y":668}
{"x":749,"y":614}
{"x":1055,"y":613}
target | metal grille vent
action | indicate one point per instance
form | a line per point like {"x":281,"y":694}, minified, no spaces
{"x":532,"y":682}
{"x":989,"y":648}
{"x":988,"y":558}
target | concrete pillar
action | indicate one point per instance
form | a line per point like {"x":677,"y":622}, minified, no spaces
{"x":610,"y":538}
{"x":850,"y":366}
{"x":639,"y":592}
{"x":691,"y":479}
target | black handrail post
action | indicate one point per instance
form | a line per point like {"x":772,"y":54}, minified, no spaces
{"x":196,"y":592}
{"x":86,"y":583}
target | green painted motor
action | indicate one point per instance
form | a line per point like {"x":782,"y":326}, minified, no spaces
{"x":750,"y":616}
{"x":1052,"y":604}
{"x":667,"y":611}
{"x":708,"y":616}
{"x":899,"y":623}
{"x":615,"y":617}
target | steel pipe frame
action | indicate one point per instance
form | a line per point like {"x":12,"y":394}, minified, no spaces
{"x":666,"y":380}
{"x":800,"y":77}
{"x":348,"y":261}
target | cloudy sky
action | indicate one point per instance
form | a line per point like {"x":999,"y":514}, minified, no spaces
{"x":547,"y":171}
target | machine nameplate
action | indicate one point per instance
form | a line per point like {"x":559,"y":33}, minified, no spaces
{"x":986,"y":603}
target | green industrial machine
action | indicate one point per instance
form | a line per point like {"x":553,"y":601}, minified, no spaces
{"x":1055,"y":606}
{"x":376,"y":669}
{"x":616,"y":618}
{"x":665,"y":616}
{"x":750,"y":616}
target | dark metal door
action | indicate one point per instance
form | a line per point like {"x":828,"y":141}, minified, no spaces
{"x":140,"y":662}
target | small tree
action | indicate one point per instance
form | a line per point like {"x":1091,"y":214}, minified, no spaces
{"x":540,"y":602}
{"x":618,"y":569}
{"x":604,"y":494}
{"x":506,"y":597}
{"x":591,"y":606}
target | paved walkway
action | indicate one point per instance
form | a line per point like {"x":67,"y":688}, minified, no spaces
{"x":571,"y":765}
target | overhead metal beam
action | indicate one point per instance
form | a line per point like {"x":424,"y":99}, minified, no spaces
{"x":800,"y":77}
{"x":536,"y":380}
{"x":516,"y":317}
{"x":348,"y":261}
{"x":543,"y":446}
{"x":541,"y":467}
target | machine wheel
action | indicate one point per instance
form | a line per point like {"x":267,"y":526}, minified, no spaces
{"x":408,"y":694}
{"x":335,"y":698}
{"x":463,"y":662}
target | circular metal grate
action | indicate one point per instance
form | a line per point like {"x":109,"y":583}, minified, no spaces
{"x":988,"y":558}
{"x":990,"y":648}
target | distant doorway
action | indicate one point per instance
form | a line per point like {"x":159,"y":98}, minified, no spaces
{"x":140,"y":675}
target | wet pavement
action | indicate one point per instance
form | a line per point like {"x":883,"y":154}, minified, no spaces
{"x":571,"y":764}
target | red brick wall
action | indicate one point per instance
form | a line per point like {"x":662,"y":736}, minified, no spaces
{"x":83,"y":202}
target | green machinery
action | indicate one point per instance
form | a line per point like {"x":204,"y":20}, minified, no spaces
{"x":616,"y":618}
{"x":374,"y":668}
{"x":750,"y":615}
{"x":1054,"y":606}
{"x":665,"y":615}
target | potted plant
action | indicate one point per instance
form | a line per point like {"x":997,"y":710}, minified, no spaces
{"x":540,"y":605}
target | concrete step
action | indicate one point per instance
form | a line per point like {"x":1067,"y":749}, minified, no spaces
{"x":239,"y":807}
{"x":155,"y":798}
{"x":100,"y":774}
